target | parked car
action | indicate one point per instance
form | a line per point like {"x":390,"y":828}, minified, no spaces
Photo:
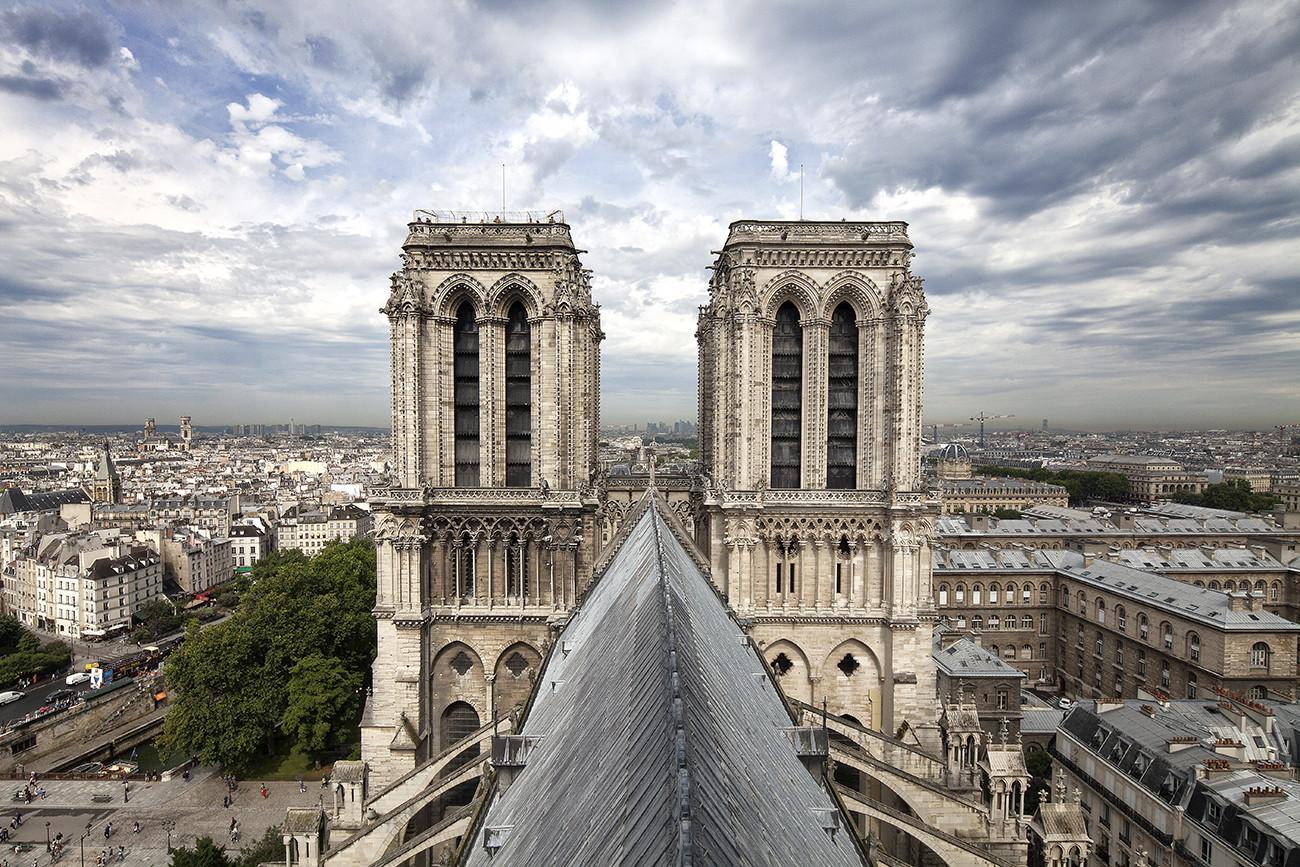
{"x":6,"y":697}
{"x":59,"y":695}
{"x":1065,"y":704}
{"x":76,"y":677}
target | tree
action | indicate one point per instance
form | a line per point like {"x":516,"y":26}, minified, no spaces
{"x":1081,"y":485}
{"x":1233,"y":495}
{"x":10,"y":633}
{"x":268,"y":849}
{"x":1039,"y":765}
{"x":324,"y":701}
{"x":204,"y":854}
{"x":232,"y":680}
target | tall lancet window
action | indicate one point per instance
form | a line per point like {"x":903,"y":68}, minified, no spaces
{"x":842,"y":400}
{"x":519,"y":398}
{"x":465,"y":374}
{"x":787,"y":397}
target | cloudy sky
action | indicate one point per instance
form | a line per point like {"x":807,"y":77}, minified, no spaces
{"x":200,"y":203}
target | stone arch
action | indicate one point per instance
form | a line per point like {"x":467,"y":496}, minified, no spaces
{"x":457,"y":675}
{"x":793,"y":286}
{"x":444,"y":300}
{"x":850,"y":681}
{"x":510,"y":288}
{"x":516,"y":670}
{"x":857,"y":289}
{"x":796,"y":679}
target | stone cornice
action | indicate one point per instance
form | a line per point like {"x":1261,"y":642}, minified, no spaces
{"x":461,"y":260}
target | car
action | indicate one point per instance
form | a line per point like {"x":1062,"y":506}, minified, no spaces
{"x":59,"y":695}
{"x":76,"y":677}
{"x":1065,"y":704}
{"x":6,"y":697}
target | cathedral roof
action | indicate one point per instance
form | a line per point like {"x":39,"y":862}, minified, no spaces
{"x":663,"y":739}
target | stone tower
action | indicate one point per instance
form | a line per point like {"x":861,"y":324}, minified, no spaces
{"x":107,"y":484}
{"x":487,"y":537}
{"x":814,"y":515}
{"x":187,"y":433}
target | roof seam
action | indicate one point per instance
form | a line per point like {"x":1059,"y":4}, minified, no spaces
{"x":679,"y":723}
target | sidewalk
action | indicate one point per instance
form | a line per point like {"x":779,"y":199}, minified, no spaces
{"x":193,"y":807}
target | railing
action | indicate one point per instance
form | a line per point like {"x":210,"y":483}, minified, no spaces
{"x":422,"y":215}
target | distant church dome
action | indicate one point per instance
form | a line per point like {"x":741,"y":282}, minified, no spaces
{"x":954,"y":452}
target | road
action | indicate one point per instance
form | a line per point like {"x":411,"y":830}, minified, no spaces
{"x":34,"y":697}
{"x":82,"y":652}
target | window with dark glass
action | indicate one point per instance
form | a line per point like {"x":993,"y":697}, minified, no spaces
{"x":519,"y":399}
{"x":842,"y":400}
{"x":787,"y":397}
{"x":465,"y":375}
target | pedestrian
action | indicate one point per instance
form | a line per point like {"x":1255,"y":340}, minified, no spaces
{"x":233,"y":823}
{"x":135,"y":828}
{"x":225,"y":801}
{"x":264,"y":790}
{"x":302,"y":787}
{"x":126,"y":789}
{"x":121,"y":853}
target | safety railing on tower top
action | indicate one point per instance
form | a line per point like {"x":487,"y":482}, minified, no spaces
{"x":422,"y":215}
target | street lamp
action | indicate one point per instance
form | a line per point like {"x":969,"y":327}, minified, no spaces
{"x":169,"y":825}
{"x":83,"y":844}
{"x":48,"y":847}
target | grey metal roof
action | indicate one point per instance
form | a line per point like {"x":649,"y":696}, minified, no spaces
{"x":662,"y":738}
{"x":1194,"y":603}
{"x":14,"y":501}
{"x":965,"y":658}
{"x":1134,"y":736}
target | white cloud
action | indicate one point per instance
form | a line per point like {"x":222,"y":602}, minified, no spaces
{"x":1091,"y":231}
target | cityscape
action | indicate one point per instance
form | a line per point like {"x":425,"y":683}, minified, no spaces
{"x":692,"y":435}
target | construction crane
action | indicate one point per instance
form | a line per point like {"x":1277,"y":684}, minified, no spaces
{"x":983,"y":417}
{"x":1281,"y":435}
{"x":934,"y":429}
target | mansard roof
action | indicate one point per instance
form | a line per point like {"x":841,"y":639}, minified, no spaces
{"x":14,"y":501}
{"x":663,"y":739}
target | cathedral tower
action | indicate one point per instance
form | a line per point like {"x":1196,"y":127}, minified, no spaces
{"x":814,"y":513}
{"x":487,"y":537}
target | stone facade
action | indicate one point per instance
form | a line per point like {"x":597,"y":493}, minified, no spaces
{"x":813,"y":511}
{"x":488,"y":535}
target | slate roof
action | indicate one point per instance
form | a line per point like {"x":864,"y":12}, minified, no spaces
{"x":965,"y":658}
{"x":662,"y":738}
{"x":1194,"y":603}
{"x":13,"y":500}
{"x":1136,"y":742}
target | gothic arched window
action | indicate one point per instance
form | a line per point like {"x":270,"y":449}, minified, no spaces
{"x":787,"y":397}
{"x":519,"y":398}
{"x":842,"y":400}
{"x":465,"y":387}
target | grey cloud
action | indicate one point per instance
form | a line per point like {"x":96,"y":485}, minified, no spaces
{"x":38,"y":88}
{"x":76,"y":36}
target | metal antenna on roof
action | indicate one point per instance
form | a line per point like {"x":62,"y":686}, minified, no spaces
{"x":800,"y":191}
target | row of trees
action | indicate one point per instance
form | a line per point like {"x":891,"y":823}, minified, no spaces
{"x":290,"y":663}
{"x":23,"y":655}
{"x":1234,"y":494}
{"x":1082,"y":485}
{"x":270,"y":848}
